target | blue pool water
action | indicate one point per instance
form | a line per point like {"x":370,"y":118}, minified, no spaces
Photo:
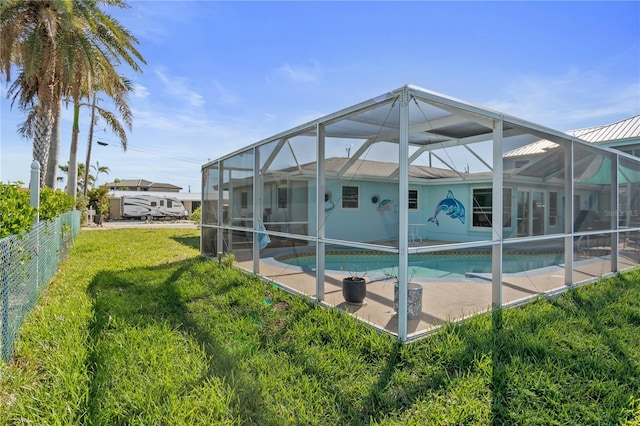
{"x":427,"y":265}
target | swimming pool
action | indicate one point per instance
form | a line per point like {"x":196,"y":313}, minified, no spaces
{"x":430,"y":265}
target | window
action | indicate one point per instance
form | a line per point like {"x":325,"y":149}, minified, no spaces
{"x":553,"y":208}
{"x":350,"y":197}
{"x":635,"y":152}
{"x":153,"y":204}
{"x":282,"y":197}
{"x":161,"y":203}
{"x":169,"y":203}
{"x":244,"y":200}
{"x":413,"y":199}
{"x":483,"y":203}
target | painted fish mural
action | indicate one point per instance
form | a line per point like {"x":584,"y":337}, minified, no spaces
{"x":329,"y":205}
{"x":384,"y":205}
{"x":451,"y":206}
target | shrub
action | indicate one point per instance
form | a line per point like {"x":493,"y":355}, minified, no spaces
{"x":98,"y":200}
{"x":16,"y":213}
{"x":54,"y":203}
{"x":195,"y":216}
{"x":82,"y":204}
{"x":228,"y":260}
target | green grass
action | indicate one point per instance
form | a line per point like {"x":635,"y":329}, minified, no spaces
{"x":136,"y":328}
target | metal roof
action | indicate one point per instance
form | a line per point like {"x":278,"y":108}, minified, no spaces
{"x":624,"y":129}
{"x":538,"y":147}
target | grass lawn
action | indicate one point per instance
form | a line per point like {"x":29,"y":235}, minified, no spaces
{"x":137,"y":328}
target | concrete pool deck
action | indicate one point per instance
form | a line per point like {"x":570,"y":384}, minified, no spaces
{"x":443,"y":300}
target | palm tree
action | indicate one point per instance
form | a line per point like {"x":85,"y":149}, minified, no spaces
{"x":114,"y":85}
{"x":100,"y":169}
{"x":27,"y":130}
{"x":118,"y":90}
{"x":79,"y":172}
{"x":119,"y":97}
{"x":62,"y":48}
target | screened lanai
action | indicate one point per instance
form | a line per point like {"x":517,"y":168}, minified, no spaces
{"x":434,"y":200}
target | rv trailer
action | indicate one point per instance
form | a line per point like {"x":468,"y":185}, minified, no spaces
{"x":151,"y":206}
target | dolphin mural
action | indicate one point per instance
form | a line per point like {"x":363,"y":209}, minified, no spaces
{"x":451,"y":206}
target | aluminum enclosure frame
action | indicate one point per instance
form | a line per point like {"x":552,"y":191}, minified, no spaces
{"x":450,"y":123}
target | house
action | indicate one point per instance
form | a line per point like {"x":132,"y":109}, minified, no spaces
{"x":623,"y":135}
{"x":481,"y":208}
{"x":141,"y":185}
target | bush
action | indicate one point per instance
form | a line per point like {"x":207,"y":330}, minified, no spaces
{"x":54,"y":203}
{"x":82,"y":204}
{"x":98,"y":200}
{"x":16,"y":213}
{"x":195,"y":216}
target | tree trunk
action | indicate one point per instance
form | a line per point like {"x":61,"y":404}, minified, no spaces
{"x":88,"y":162}
{"x":42,"y":138}
{"x":72,"y":173}
{"x":54,"y":153}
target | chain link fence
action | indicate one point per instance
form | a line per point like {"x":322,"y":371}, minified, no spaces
{"x":28,"y":262}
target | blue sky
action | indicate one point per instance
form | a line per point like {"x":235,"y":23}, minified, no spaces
{"x":223,"y":75}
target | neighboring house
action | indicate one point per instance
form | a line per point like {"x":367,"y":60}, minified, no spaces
{"x":141,"y":185}
{"x":623,"y":135}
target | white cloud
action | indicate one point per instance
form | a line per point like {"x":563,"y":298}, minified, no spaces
{"x":224,"y":95}
{"x":140,"y":91}
{"x":572,"y":100}
{"x":195,"y":99}
{"x":178,"y":87}
{"x":300,"y":74}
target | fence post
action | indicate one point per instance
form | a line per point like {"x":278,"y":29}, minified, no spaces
{"x":34,"y":187}
{"x":5,"y":314}
{"x":34,"y":191}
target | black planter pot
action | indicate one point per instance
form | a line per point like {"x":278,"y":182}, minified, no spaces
{"x":354,"y":289}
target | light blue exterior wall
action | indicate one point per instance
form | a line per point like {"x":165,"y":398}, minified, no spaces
{"x":369,"y":225}
{"x":366,"y":223}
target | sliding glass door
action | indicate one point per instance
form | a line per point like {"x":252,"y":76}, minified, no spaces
{"x":531,"y":212}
